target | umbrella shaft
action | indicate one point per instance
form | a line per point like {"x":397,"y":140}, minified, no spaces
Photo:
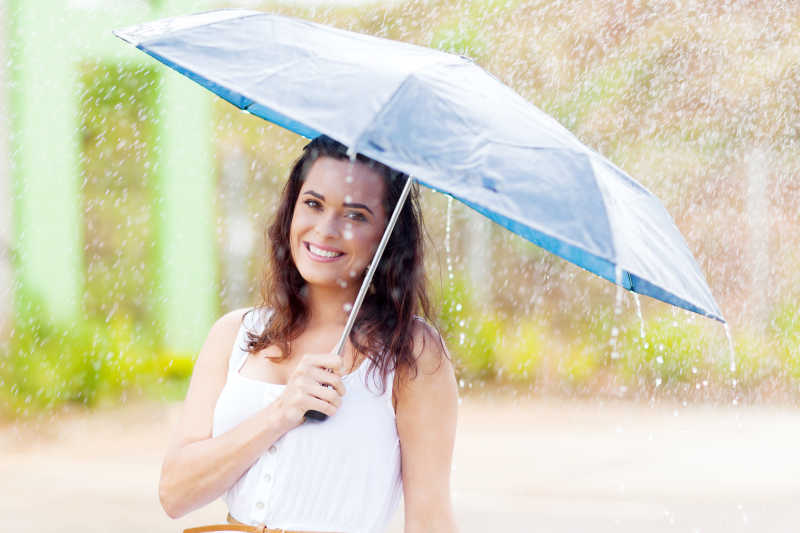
{"x":373,"y":266}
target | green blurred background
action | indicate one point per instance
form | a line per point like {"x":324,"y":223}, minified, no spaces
{"x":697,"y":101}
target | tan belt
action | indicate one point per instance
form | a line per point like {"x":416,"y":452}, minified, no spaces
{"x":235,"y":525}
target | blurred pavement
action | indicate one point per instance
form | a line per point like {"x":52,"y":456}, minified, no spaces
{"x":520,"y":465}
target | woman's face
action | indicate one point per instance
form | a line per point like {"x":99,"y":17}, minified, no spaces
{"x":337,"y":222}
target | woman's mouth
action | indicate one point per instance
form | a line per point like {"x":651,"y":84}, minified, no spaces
{"x":322,"y":254}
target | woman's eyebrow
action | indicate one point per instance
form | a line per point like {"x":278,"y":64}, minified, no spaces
{"x":315,"y":194}
{"x":346,"y":204}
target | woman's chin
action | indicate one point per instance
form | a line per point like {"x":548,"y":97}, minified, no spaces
{"x":327,"y":283}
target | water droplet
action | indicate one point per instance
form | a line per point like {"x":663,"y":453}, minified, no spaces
{"x":639,"y":314}
{"x":730,"y":347}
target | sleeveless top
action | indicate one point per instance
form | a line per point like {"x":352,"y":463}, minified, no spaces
{"x":341,"y":474}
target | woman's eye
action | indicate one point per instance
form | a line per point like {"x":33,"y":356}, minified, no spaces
{"x":356,"y":216}
{"x":312,"y":203}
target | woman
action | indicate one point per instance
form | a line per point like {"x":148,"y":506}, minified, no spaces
{"x":391,"y":398}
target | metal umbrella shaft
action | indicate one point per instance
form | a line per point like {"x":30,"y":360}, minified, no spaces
{"x":351,"y":319}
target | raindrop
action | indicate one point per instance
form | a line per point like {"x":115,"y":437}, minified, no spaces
{"x":347,"y":307}
{"x":447,"y":250}
{"x":617,"y":312}
{"x":732,"y":351}
{"x":639,"y":314}
{"x":348,"y":235}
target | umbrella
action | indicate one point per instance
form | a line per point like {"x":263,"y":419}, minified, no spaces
{"x":445,"y":121}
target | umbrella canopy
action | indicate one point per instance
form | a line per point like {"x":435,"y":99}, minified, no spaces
{"x":442,"y":119}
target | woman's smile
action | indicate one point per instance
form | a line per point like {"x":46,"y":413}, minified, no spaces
{"x":322,"y":253}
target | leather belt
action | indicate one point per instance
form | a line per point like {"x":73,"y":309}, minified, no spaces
{"x":235,"y":525}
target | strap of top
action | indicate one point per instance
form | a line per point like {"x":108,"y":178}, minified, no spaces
{"x":251,"y":323}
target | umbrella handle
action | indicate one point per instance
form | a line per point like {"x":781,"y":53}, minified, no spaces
{"x":351,"y":319}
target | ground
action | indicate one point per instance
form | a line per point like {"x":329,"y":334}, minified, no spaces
{"x":523,"y":465}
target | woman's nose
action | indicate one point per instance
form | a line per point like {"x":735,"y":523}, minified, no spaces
{"x":328,"y":226}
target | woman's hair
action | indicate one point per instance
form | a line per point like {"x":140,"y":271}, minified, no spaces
{"x":383,"y":330}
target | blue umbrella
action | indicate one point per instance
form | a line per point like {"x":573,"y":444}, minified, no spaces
{"x":448,"y":123}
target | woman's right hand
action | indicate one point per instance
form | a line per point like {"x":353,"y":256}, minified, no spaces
{"x":306,"y":388}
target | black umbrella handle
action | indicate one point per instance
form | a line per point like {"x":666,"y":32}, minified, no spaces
{"x":316,"y":415}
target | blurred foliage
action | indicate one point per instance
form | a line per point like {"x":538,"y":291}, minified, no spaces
{"x":88,"y":362}
{"x":117,"y":164}
{"x":667,"y":355}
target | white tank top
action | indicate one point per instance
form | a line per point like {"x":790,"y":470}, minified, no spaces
{"x":342,"y":474}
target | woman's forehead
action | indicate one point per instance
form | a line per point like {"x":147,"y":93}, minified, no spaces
{"x":341,"y":177}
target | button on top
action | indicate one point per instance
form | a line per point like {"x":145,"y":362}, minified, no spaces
{"x":273,"y":450}
{"x":267,"y":478}
{"x":260,"y":505}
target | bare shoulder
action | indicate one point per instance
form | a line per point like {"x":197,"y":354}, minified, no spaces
{"x":231,"y":320}
{"x":430,"y":351}
{"x":433,"y":362}
{"x":426,"y":399}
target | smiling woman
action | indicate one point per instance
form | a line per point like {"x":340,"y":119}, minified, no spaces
{"x":244,"y":433}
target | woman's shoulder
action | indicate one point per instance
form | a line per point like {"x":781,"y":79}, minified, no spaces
{"x":226,"y":328}
{"x":232,"y":320}
{"x":253,"y":318}
{"x":430,"y":351}
{"x":433,"y":370}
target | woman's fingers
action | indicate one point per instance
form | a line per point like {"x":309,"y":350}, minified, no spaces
{"x":327,"y":394}
{"x":315,"y":384}
{"x":315,"y":404}
{"x":325,"y":377}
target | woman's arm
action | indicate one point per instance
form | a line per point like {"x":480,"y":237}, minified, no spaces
{"x":427,"y":408}
{"x":198,"y":468}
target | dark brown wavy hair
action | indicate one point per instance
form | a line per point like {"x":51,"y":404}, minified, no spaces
{"x":383,"y":330}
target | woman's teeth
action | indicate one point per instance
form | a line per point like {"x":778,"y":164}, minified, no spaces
{"x":322,"y":253}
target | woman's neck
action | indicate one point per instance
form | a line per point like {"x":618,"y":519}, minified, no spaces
{"x":328,"y":306}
